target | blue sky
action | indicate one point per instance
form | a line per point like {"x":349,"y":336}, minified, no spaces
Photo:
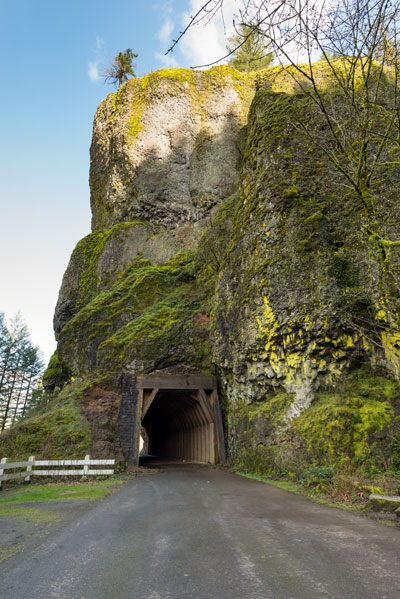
{"x":52,"y":53}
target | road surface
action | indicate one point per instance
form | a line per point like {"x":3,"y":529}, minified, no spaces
{"x":194,"y":531}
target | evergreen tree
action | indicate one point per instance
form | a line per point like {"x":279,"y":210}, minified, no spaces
{"x":249,"y":50}
{"x":29,"y":376}
{"x":121,"y":68}
{"x":20,"y":370}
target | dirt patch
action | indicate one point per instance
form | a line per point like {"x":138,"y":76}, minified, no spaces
{"x":100,"y":408}
{"x":26,"y":519}
{"x":26,"y":525}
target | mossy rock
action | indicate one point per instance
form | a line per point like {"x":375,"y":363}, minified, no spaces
{"x":165,"y":146}
{"x":147,"y":318}
{"x":55,"y":374}
{"x":59,"y":432}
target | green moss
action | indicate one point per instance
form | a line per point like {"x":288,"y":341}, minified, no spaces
{"x":286,"y":78}
{"x":355,"y":428}
{"x":213,"y":244}
{"x":55,"y":375}
{"x":253,"y":426}
{"x":342,"y":270}
{"x":60,"y":432}
{"x":88,"y":251}
{"x":10,"y":551}
{"x":259,"y":460}
{"x":44,"y":492}
{"x":356,"y":425}
{"x":272,"y":409}
{"x":286,"y":485}
{"x":148,"y":314}
{"x":160,"y":333}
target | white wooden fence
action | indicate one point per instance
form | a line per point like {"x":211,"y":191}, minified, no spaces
{"x":32,"y":464}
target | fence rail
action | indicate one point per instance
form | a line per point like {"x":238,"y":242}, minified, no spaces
{"x":31,"y":468}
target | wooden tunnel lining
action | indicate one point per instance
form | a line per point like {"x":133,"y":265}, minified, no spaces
{"x":181,"y":419}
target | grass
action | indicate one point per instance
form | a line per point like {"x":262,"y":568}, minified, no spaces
{"x":59,"y":491}
{"x":299,"y":489}
{"x":32,"y":503}
{"x":7,"y":552}
{"x":282,"y":484}
{"x":32,"y":514}
{"x":13,"y":500}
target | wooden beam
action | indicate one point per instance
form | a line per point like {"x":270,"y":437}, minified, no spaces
{"x":148,"y":400}
{"x":221,"y":457}
{"x":206,"y":406}
{"x":172,"y":381}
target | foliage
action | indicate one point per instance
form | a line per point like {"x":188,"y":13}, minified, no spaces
{"x":147,"y":315}
{"x":317,"y":476}
{"x":121,"y":68}
{"x":94,"y":489}
{"x":55,"y":374}
{"x":358,"y":41}
{"x":355,"y":428}
{"x":20,"y":370}
{"x":249,"y":52}
{"x":57,"y":430}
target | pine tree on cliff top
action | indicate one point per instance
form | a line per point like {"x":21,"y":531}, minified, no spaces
{"x":249,"y":50}
{"x":121,"y":68}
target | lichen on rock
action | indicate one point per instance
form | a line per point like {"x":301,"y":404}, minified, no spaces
{"x":165,"y":146}
{"x":227,"y":242}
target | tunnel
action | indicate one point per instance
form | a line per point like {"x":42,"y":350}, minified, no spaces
{"x":178,"y":426}
{"x":177,"y":416}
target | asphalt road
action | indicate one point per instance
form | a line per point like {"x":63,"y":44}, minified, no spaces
{"x":193,"y":531}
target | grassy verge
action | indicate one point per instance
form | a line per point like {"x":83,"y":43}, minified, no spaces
{"x":29,"y":511}
{"x":344,"y":492}
{"x":297,"y":488}
{"x":13,"y":500}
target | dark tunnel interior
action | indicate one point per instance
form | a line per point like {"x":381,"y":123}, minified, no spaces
{"x":178,"y":426}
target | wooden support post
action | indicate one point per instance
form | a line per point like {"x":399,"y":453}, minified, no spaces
{"x":86,"y":466}
{"x":148,"y":400}
{"x":3,"y":461}
{"x":203,"y":400}
{"x":219,"y":430}
{"x":27,"y":478}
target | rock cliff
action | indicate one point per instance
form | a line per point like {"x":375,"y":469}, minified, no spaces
{"x":166,"y":153}
{"x":229,"y":244}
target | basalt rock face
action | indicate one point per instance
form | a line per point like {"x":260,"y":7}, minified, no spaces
{"x":165,"y":147}
{"x":304,"y":313}
{"x":165,"y":154}
{"x":231,"y":245}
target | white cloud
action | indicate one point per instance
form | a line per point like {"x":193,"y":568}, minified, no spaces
{"x":99,"y":42}
{"x":205,"y":43}
{"x":93,"y":72}
{"x":164,"y":35}
{"x":166,"y":7}
{"x":167,"y":61}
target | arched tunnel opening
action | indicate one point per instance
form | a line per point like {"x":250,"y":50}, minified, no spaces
{"x":179,"y":426}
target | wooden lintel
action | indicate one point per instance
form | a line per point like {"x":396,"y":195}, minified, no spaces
{"x":172,"y":381}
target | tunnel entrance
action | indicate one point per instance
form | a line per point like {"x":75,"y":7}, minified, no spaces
{"x":180,"y":415}
{"x":178,"y":426}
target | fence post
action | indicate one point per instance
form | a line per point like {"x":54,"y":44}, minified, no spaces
{"x":86,"y":466}
{"x":27,"y":478}
{"x":3,"y":461}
